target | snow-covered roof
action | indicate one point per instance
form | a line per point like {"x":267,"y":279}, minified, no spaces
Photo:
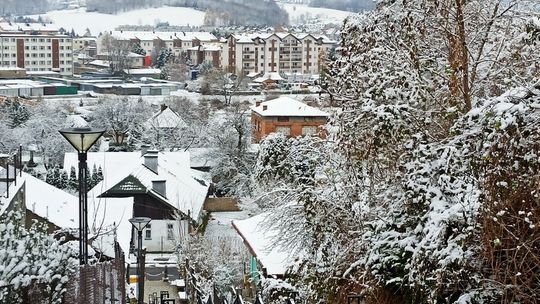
{"x":206,"y":47}
{"x":166,"y":118}
{"x":100,"y":63}
{"x":48,"y":202}
{"x":27,"y":27}
{"x":274,"y":76}
{"x":109,"y":215}
{"x":201,"y":157}
{"x":142,"y":71}
{"x":165,"y":36}
{"x":250,"y":37}
{"x":287,"y":106}
{"x":186,"y":189}
{"x":11,"y":68}
{"x":262,"y":244}
{"x":134,"y":55}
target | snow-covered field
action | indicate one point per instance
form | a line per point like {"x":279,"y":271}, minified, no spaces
{"x":298,"y":13}
{"x":79,"y":19}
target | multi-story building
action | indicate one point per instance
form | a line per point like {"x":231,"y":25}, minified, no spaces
{"x":35,"y":47}
{"x":85,"y":45}
{"x":178,"y":42}
{"x":276,"y":52}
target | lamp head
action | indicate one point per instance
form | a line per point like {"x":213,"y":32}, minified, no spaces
{"x":139,"y":222}
{"x":82,"y":139}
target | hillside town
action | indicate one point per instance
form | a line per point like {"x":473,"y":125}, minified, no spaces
{"x":288,"y":151}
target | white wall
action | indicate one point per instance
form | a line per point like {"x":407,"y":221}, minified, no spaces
{"x":159,"y":237}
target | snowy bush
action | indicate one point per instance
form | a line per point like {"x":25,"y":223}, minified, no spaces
{"x":31,"y":256}
{"x":429,"y":193}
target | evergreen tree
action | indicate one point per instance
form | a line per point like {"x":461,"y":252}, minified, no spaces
{"x":164,"y":56}
{"x":99,"y":175}
{"x":63,"y":181}
{"x":49,"y":176}
{"x":73,"y":181}
{"x":137,"y":49}
{"x":17,"y":112}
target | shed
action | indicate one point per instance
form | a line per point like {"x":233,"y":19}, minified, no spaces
{"x":7,"y":91}
{"x":49,"y":90}
{"x":23,"y":90}
{"x":65,"y":90}
{"x":128,"y":89}
{"x":36,"y":91}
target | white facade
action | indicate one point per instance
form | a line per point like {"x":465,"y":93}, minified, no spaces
{"x":178,"y":42}
{"x":276,"y":52}
{"x":37,"y":52}
{"x":163,"y":235}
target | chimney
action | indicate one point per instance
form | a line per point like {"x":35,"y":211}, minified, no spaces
{"x":163,"y":107}
{"x":257,"y":103}
{"x":265,"y":107}
{"x":160,"y":186}
{"x":144,"y":149}
{"x":151,"y":160}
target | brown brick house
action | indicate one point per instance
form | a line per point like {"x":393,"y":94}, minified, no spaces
{"x":288,"y":116}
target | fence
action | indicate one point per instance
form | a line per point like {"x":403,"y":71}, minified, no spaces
{"x":99,"y":283}
{"x":96,"y":284}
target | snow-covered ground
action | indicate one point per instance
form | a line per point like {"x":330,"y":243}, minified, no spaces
{"x":79,"y":19}
{"x":298,"y":13}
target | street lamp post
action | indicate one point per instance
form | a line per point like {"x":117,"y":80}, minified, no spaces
{"x":82,"y":139}
{"x":139,"y":223}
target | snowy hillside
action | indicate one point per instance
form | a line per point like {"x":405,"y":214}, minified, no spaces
{"x":298,"y":13}
{"x":79,"y":19}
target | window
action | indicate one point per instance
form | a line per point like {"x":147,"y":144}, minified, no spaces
{"x":283,"y":118}
{"x":309,"y":130}
{"x":148,"y":232}
{"x":284,"y":130}
{"x":170,"y":234}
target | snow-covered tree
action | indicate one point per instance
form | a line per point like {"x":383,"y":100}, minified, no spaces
{"x":427,"y":195}
{"x":73,"y":182}
{"x":30,"y":256}
{"x":122,"y":118}
{"x":14,"y":112}
{"x":231,"y":139}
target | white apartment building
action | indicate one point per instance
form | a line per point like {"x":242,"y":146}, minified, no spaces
{"x":26,"y":47}
{"x":276,"y":52}
{"x":178,"y":42}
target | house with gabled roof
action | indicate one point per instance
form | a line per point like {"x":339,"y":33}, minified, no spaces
{"x":287,"y":116}
{"x":166,"y":118}
{"x":152,"y":184}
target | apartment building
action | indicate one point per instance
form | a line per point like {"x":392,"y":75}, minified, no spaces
{"x":178,"y":42}
{"x":35,"y":47}
{"x":276,"y":52}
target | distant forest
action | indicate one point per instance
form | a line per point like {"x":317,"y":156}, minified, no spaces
{"x":20,"y":7}
{"x":345,"y":5}
{"x":221,"y":12}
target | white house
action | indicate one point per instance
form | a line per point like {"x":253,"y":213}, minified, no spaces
{"x":161,"y":186}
